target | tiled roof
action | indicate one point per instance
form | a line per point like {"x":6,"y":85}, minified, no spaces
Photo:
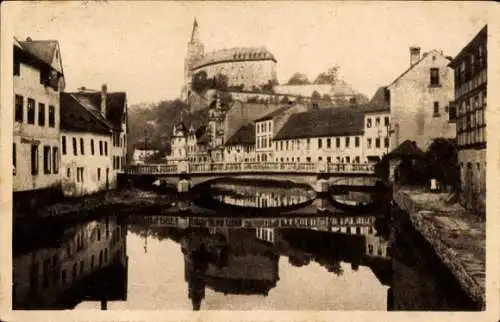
{"x":407,"y":149}
{"x":340,"y":121}
{"x":272,"y":114}
{"x":75,"y":116}
{"x":245,"y":135}
{"x":43,"y":49}
{"x":115,"y":105}
{"x":380,"y":101}
{"x":235,"y":54}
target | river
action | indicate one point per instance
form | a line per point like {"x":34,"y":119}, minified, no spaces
{"x":306,"y":255}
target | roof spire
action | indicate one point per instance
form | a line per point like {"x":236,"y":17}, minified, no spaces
{"x":195,"y":37}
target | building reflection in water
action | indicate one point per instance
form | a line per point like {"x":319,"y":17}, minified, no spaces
{"x":261,"y":197}
{"x":89,"y":263}
{"x":242,"y":256}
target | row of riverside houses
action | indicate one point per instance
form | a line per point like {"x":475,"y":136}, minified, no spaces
{"x":69,"y":144}
{"x":414,"y":108}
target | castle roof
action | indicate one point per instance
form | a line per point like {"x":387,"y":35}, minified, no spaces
{"x":340,"y":121}
{"x":235,"y":54}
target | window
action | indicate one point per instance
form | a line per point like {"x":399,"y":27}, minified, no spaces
{"x":14,"y":160}
{"x":337,"y":142}
{"x":41,"y":114}
{"x":106,"y":148}
{"x":82,"y":148}
{"x":19,"y":107}
{"x":434,"y":76}
{"x":347,"y":160}
{"x":369,"y":142}
{"x":100,"y":148}
{"x":98,"y":174}
{"x":320,"y":143}
{"x":31,"y":111}
{"x":34,"y":159}
{"x":386,"y":121}
{"x":63,"y":145}
{"x":369,"y":122}
{"x":328,"y":143}
{"x":92,"y":146}
{"x":68,"y":173}
{"x":377,"y":121}
{"x":52,"y":116}
{"x":386,"y":142}
{"x":347,"y":139}
{"x":328,"y":159}
{"x":55,"y":160}
{"x":75,"y":148}
{"x":356,"y":141}
{"x":436,"y":109}
{"x":320,"y":159}
{"x":46,"y":159}
{"x":308,"y":159}
{"x":356,"y":159}
{"x":377,"y":142}
{"x":17,"y":68}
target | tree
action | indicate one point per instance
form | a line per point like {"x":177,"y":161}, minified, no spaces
{"x":298,"y":79}
{"x":285,"y":100}
{"x":315,"y":96}
{"x":329,"y":77}
{"x":442,"y":162}
{"x":327,"y":98}
{"x":200,"y":81}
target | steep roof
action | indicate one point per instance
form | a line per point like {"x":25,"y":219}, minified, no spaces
{"x":115,"y":105}
{"x":380,"y":101}
{"x":245,"y":135}
{"x":235,"y":54}
{"x":76,"y":116}
{"x":424,"y":56}
{"x":272,"y":114}
{"x":407,"y":149}
{"x":43,"y":49}
{"x":339,"y":121}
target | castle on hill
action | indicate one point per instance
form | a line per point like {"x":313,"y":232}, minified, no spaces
{"x":246,"y":68}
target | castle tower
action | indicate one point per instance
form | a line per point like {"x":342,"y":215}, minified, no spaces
{"x":195,"y":52}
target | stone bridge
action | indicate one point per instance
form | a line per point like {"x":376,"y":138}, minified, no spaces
{"x":352,"y":176}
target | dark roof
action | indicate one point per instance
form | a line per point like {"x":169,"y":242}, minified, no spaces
{"x":380,"y":101}
{"x":481,"y":37}
{"x":245,"y":135}
{"x":76,"y":117}
{"x":43,"y":49}
{"x":407,"y":149}
{"x":272,"y":114}
{"x":115,"y":105}
{"x":200,"y":131}
{"x":234,"y":54}
{"x":338,"y":121}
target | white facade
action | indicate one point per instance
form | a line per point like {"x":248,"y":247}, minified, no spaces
{"x":333,"y":149}
{"x":263,"y":140}
{"x":35,"y":143}
{"x":376,"y":138}
{"x":240,"y":153}
{"x":140,"y":155}
{"x":86,"y":163}
{"x":419,"y":101}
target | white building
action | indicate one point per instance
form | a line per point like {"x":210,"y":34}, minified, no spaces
{"x":141,"y":154}
{"x":38,"y":79}
{"x":188,"y":145}
{"x":241,"y":146}
{"x":377,"y":126}
{"x":420,"y":98}
{"x":86,"y":138}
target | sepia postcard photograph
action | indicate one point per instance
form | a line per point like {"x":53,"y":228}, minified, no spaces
{"x":188,"y":158}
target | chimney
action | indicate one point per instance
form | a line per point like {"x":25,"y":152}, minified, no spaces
{"x":28,"y":39}
{"x":414,"y":55}
{"x":104,"y":94}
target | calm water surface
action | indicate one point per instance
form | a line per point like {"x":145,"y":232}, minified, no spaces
{"x":313,"y":258}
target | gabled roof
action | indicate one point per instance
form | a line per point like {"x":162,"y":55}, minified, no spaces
{"x":43,"y":49}
{"x":380,"y":102}
{"x":424,"y":56}
{"x":272,"y":114}
{"x":407,"y":149}
{"x":341,"y":121}
{"x":75,"y":116}
{"x":245,"y":135}
{"x":115,"y":105}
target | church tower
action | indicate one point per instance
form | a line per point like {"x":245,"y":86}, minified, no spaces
{"x":195,"y":52}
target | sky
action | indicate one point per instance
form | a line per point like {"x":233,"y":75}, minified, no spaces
{"x":140,"y":47}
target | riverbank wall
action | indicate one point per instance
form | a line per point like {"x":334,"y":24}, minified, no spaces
{"x":455,"y":236}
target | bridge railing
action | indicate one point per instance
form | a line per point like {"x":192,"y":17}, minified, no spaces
{"x":309,"y":167}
